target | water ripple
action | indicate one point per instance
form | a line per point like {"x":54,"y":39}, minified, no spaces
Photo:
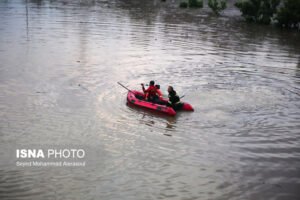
{"x":61,"y":61}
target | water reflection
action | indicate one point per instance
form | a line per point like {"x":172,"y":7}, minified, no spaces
{"x":297,"y":75}
{"x":37,"y":2}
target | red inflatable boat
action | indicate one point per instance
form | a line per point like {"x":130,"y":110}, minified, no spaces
{"x":136,"y":98}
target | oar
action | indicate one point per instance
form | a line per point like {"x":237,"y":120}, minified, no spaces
{"x":182,"y":96}
{"x":124,"y":86}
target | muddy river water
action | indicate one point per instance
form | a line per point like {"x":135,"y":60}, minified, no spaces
{"x":59,"y":66}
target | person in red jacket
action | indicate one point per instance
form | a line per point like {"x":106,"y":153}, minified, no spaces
{"x":151,"y":92}
{"x":159,"y":93}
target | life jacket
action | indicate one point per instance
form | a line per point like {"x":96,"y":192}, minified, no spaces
{"x":159,"y":93}
{"x":150,"y":92}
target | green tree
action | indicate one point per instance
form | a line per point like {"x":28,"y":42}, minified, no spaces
{"x":217,"y":5}
{"x":183,"y":4}
{"x":191,"y":4}
{"x":195,"y":3}
{"x":260,"y":11}
{"x":289,"y":14}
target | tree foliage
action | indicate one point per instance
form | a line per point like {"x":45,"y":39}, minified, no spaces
{"x":260,"y":11}
{"x":191,"y":4}
{"x":217,"y":5}
{"x":285,"y":13}
{"x":195,"y":3}
{"x":289,"y":14}
{"x":183,"y":4}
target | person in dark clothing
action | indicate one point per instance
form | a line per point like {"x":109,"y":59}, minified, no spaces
{"x":151,"y":92}
{"x":174,"y":100}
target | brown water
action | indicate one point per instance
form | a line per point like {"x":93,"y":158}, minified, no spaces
{"x":60,"y":63}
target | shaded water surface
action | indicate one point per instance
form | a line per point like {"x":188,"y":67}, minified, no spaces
{"x":60,"y":61}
